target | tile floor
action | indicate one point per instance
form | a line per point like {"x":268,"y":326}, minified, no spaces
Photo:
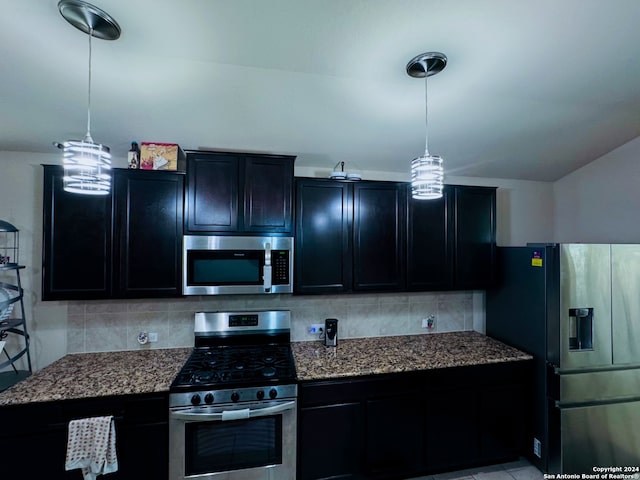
{"x":518,"y":470}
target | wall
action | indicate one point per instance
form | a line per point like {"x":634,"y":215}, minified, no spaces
{"x":524,"y":214}
{"x":599,"y":203}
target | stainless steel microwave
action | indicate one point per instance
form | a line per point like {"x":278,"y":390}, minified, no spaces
{"x":223,"y":265}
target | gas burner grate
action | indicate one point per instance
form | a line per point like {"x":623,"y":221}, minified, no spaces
{"x":236,"y":366}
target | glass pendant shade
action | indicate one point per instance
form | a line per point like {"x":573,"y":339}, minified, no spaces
{"x":87,"y":167}
{"x":427,"y":176}
{"x":427,"y":173}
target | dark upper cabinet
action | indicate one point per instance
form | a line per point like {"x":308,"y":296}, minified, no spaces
{"x":322,"y":243}
{"x":268,"y":194}
{"x":474,"y":210}
{"x":212,"y":192}
{"x":124,"y":245}
{"x":429,"y":254}
{"x":76,"y":261}
{"x":451,"y":242}
{"x":148,"y":232}
{"x":348,"y":236}
{"x":239,"y":193}
{"x":378,"y":236}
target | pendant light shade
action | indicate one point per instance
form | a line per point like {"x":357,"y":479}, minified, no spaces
{"x":87,"y":165}
{"x":427,"y":177}
{"x":427,"y":172}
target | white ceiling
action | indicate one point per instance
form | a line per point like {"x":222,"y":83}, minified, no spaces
{"x":533,"y":89}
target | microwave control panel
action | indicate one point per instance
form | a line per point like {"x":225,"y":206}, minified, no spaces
{"x":280,"y":267}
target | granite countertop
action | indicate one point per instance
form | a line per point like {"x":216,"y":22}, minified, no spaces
{"x":84,"y":375}
{"x":366,"y":356}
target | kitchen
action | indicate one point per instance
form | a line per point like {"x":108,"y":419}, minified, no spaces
{"x":574,"y":207}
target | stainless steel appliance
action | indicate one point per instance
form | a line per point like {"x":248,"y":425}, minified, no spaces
{"x":223,"y":265}
{"x":576,"y":309}
{"x":233,"y":405}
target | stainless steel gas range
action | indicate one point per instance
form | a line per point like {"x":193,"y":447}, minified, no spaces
{"x":233,"y":406}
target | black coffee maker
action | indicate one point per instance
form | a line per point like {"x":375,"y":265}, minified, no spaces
{"x":331,"y":332}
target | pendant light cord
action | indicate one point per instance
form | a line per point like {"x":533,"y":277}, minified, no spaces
{"x":425,"y":65}
{"x":88,"y":136}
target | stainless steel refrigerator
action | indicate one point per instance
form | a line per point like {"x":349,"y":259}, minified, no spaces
{"x":576,"y":309}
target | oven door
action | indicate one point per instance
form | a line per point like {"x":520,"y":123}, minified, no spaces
{"x":248,"y":441}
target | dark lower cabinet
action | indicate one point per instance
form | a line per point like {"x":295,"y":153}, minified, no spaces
{"x":33,"y":437}
{"x":451,"y":429}
{"x":394,"y":436}
{"x":332,"y":441}
{"x":412,"y":424}
{"x":124,"y":245}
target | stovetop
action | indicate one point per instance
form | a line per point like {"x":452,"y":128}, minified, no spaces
{"x":227,"y":367}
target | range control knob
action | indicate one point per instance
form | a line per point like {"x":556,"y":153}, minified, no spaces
{"x":260,"y":394}
{"x":208,"y":398}
{"x":273,"y":393}
{"x":195,"y":400}
{"x":235,"y":397}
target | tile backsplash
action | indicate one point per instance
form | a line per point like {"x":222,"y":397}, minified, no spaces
{"x":94,"y":326}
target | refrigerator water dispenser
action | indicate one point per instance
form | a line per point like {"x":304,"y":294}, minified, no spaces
{"x":581,"y":329}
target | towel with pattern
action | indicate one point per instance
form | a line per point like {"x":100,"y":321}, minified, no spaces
{"x":91,"y":446}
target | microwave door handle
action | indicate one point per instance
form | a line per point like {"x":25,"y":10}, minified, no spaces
{"x":266,"y":274}
{"x":235,"y":414}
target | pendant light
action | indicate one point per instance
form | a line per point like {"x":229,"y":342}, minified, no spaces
{"x":87,"y":165}
{"x":427,"y":173}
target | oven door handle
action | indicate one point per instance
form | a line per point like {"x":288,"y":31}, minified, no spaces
{"x":235,"y":414}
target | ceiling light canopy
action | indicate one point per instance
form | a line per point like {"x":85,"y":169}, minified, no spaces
{"x":87,"y":165}
{"x":427,"y":172}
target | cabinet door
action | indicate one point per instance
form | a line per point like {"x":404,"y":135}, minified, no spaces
{"x":76,"y":260}
{"x":148,"y":214}
{"x":268,"y":194}
{"x":322,"y":251}
{"x":330,"y":443}
{"x":452,"y":429}
{"x":378,"y":236}
{"x":429,"y":252}
{"x":475,"y":236}
{"x":394,"y":436}
{"x":212,"y":192}
{"x":504,"y":423}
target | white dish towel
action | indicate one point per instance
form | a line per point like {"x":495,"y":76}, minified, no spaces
{"x":91,"y":446}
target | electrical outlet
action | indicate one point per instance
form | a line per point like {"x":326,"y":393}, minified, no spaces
{"x":143,"y":338}
{"x":153,"y":337}
{"x":537,"y":448}
{"x":316,"y":328}
{"x":429,"y":322}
